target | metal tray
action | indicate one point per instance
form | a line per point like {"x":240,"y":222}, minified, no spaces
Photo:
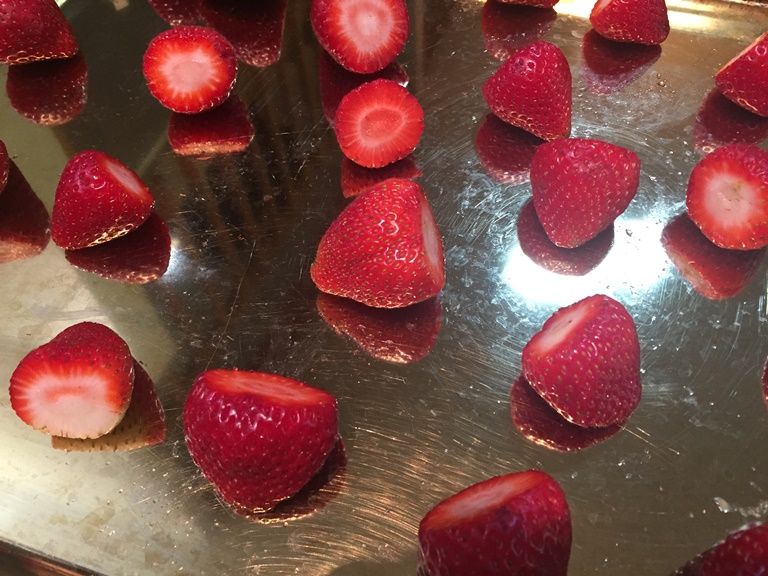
{"x":688,"y":467}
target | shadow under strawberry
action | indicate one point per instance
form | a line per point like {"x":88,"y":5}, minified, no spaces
{"x":24,"y":220}
{"x":356,"y":179}
{"x":609,"y":66}
{"x":720,"y":122}
{"x":505,"y":151}
{"x":509,"y":27}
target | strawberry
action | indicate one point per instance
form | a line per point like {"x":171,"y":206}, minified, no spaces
{"x":378,"y":123}
{"x":581,"y":186}
{"x":715,"y":273}
{"x":508,"y":27}
{"x":727,"y":196}
{"x":97,"y":199}
{"x":136,"y":258}
{"x":24,"y":221}
{"x":720,"y":122}
{"x":383,"y":250}
{"x":259,"y":438}
{"x":51,"y":92}
{"x":361,"y":35}
{"x":142,"y":425}
{"x":32,"y":30}
{"x":535,"y":244}
{"x":585,"y":362}
{"x":637,"y":21}
{"x":744,"y":552}
{"x":226,"y":129}
{"x":513,"y":524}
{"x":532,"y":90}
{"x":744,"y":80}
{"x":611,"y":66}
{"x":400,"y":336}
{"x":190,"y":69}
{"x":5,"y":165}
{"x":356,"y":179}
{"x":505,"y":151}
{"x":78,"y":385}
{"x":177,"y":12}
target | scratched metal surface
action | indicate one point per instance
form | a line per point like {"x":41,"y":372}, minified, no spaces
{"x":689,"y":466}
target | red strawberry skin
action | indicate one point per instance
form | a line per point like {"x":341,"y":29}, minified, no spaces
{"x":78,"y":385}
{"x":727,"y":197}
{"x":24,"y":221}
{"x":226,"y":129}
{"x":744,"y":80}
{"x":744,"y":552}
{"x":97,"y":199}
{"x":519,"y":524}
{"x":585,"y":362}
{"x":638,"y":21}
{"x":259,"y":438}
{"x":362,"y":36}
{"x":32,"y":30}
{"x":532,"y":90}
{"x":383,"y":250}
{"x":581,"y":186}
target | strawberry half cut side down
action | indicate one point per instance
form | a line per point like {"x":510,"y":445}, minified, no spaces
{"x":744,"y":80}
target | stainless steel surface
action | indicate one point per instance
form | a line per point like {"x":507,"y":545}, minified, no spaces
{"x":689,"y":466}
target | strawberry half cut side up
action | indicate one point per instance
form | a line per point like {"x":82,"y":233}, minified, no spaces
{"x":744,"y":80}
{"x":361,"y":35}
{"x":727,"y":197}
{"x":190,"y":69}
{"x":24,"y":221}
{"x":32,"y":30}
{"x":513,"y":524}
{"x":78,"y":385}
{"x":638,"y":21}
{"x":384,"y":250}
{"x":226,"y":129}
{"x":378,"y":123}
{"x":585,"y":362}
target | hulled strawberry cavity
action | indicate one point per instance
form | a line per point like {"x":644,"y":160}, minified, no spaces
{"x":733,"y":199}
{"x":187,"y":71}
{"x":127,"y":179}
{"x":378,"y":125}
{"x":370,"y":24}
{"x":277,"y":389}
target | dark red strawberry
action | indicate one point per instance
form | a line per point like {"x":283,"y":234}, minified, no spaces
{"x":5,"y":165}
{"x":581,"y":186}
{"x":513,"y":524}
{"x":177,"y":12}
{"x":142,"y":425}
{"x":611,"y":66}
{"x":32,"y":30}
{"x":727,"y":197}
{"x":383,"y":250}
{"x":336,"y":81}
{"x":226,"y":129}
{"x":542,"y":425}
{"x":744,"y":552}
{"x":508,"y":27}
{"x":259,"y":438}
{"x":51,"y":92}
{"x":255,"y":29}
{"x":400,"y":336}
{"x":356,"y":179}
{"x":361,"y":35}
{"x":744,"y":80}
{"x":532,"y":90}
{"x":97,"y":199}
{"x":505,"y":151}
{"x":715,"y":273}
{"x":24,"y":221}
{"x":720,"y":122}
{"x":136,"y":258}
{"x":190,"y":69}
{"x":78,"y":385}
{"x":378,"y":123}
{"x":579,"y":261}
{"x":638,"y":21}
{"x":585,"y":362}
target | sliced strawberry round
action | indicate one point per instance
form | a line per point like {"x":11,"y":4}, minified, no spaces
{"x":190,"y":69}
{"x":638,"y":21}
{"x":727,"y":197}
{"x":585,"y":362}
{"x":78,"y":385}
{"x":259,"y":438}
{"x":744,"y":80}
{"x":356,"y":179}
{"x":32,"y":30}
{"x":24,"y":220}
{"x":361,"y":35}
{"x":513,"y":524}
{"x":378,"y":123}
{"x":5,"y":165}
{"x":226,"y":129}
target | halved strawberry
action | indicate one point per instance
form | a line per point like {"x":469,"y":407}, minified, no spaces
{"x":32,"y":30}
{"x":585,"y":362}
{"x":378,"y":123}
{"x":5,"y":165}
{"x":24,"y":221}
{"x":744,"y":80}
{"x":97,"y":199}
{"x":638,"y":21}
{"x":532,"y":90}
{"x":190,"y":69}
{"x":581,"y":186}
{"x":743,"y":552}
{"x":720,"y":122}
{"x":383,"y":250}
{"x":259,"y":438}
{"x":505,"y":151}
{"x":226,"y":129}
{"x":356,"y":179}
{"x":77,"y":385}
{"x":513,"y":524}
{"x":610,"y":66}
{"x":509,"y":27}
{"x":727,"y":196}
{"x":177,"y":12}
{"x":361,"y":35}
